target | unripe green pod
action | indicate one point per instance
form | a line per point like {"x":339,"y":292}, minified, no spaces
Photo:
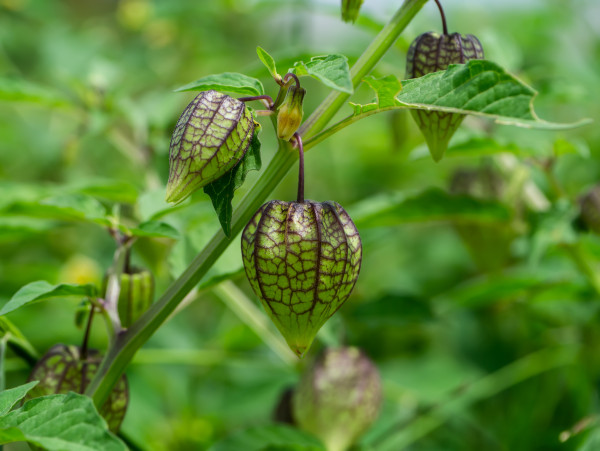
{"x":433,"y":52}
{"x":338,"y":397}
{"x":62,"y":370}
{"x":350,"y":10}
{"x":135,"y":296}
{"x":290,"y":113}
{"x":210,"y":138}
{"x":302,"y":261}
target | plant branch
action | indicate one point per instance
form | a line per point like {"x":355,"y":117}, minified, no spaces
{"x":128,"y":342}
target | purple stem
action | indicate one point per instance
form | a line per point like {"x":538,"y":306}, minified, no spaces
{"x":250,"y":99}
{"x":291,"y":75}
{"x":444,"y":26}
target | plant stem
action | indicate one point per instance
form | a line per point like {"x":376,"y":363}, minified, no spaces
{"x":298,"y":140}
{"x":444,"y":26}
{"x":128,"y":342}
{"x":268,"y":99}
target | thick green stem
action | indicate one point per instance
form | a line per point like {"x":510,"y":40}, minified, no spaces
{"x":129,"y":341}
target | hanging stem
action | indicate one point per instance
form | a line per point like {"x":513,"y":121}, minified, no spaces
{"x":84,"y":349}
{"x":86,"y":335}
{"x":444,"y":26}
{"x":298,"y":144}
{"x":269,"y":101}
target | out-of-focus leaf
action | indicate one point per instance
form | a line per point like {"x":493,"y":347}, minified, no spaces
{"x":331,"y":70}
{"x":66,"y":207}
{"x":155,"y":229}
{"x":221,"y":190}
{"x":42,"y":290}
{"x":9,"y":397}
{"x":14,"y":90}
{"x":592,"y":442}
{"x":19,"y":227}
{"x":226,"y":82}
{"x":274,"y":436}
{"x":478,"y":147}
{"x":511,"y":286}
{"x":430,"y":205}
{"x":268,"y":61}
{"x":113,"y":190}
{"x":59,"y":422}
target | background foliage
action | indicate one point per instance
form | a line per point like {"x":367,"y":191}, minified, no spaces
{"x":482,"y":314}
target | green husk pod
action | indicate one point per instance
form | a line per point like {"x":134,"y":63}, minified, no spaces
{"x":63,"y":369}
{"x":338,"y":397}
{"x":489,"y":243}
{"x":433,"y":52}
{"x":135,"y":296}
{"x":589,"y":205}
{"x":210,"y":138}
{"x":350,"y":10}
{"x":302,"y":260}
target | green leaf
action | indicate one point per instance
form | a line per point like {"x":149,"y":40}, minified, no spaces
{"x":275,"y":436}
{"x":16,"y":90}
{"x":268,"y":61}
{"x":480,"y":88}
{"x":221,"y":190}
{"x":42,"y":290}
{"x":430,"y":205}
{"x":331,"y":70}
{"x":59,"y":422}
{"x":226,"y":82}
{"x":155,"y":229}
{"x":9,"y":397}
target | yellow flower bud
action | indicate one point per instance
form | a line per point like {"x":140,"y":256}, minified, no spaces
{"x":290,"y":113}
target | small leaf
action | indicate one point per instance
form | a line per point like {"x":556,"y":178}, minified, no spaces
{"x":42,"y":290}
{"x":155,"y":229}
{"x":59,"y":422}
{"x":9,"y":397}
{"x":226,"y":82}
{"x":268,"y":61}
{"x":430,"y":205}
{"x":331,"y":70}
{"x":221,"y":190}
{"x":274,"y":436}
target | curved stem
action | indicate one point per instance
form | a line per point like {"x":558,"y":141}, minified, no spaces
{"x":444,"y":25}
{"x":289,"y":75}
{"x":269,"y":100}
{"x":298,"y":143}
{"x":128,"y":342}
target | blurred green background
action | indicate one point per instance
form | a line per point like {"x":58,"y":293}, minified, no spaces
{"x":484,"y":326}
